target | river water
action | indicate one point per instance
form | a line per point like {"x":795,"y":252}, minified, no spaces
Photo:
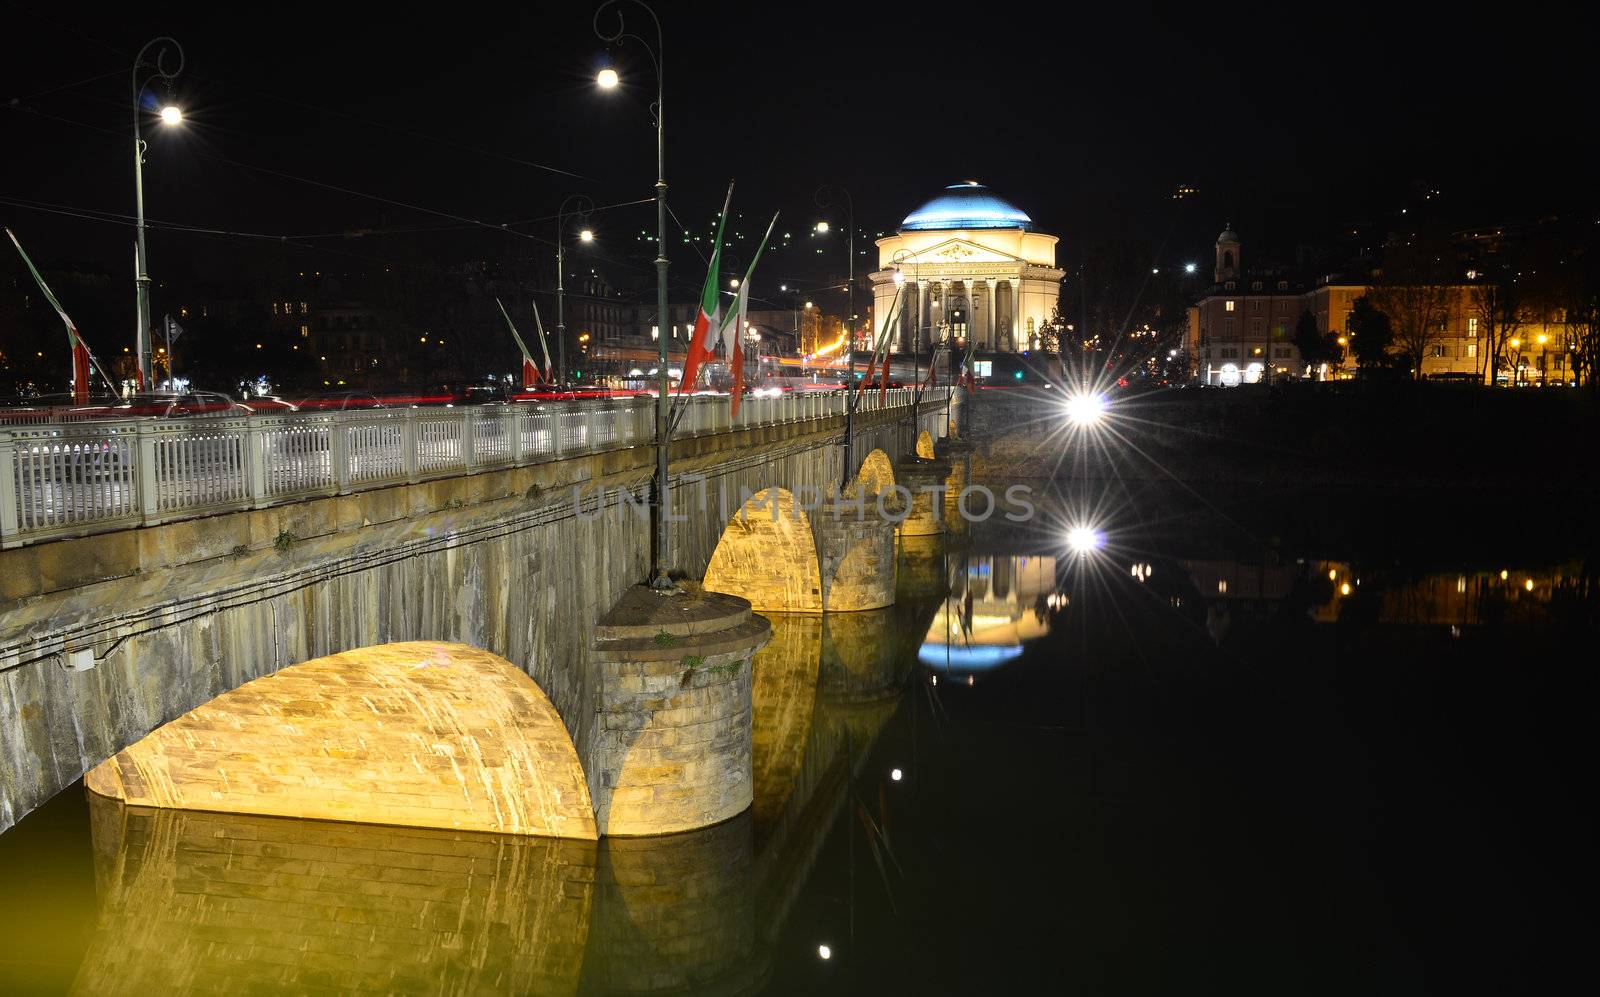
{"x":1292,"y":745}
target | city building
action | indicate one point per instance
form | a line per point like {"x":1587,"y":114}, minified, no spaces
{"x":1242,"y":329}
{"x":974,"y":267}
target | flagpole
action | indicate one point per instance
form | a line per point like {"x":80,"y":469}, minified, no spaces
{"x":659,"y":539}
{"x":823,"y":199}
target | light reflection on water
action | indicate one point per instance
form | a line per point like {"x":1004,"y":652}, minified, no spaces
{"x":836,"y":851}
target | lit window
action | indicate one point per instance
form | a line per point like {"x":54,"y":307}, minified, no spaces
{"x":1229,"y":306}
{"x":1472,"y":328}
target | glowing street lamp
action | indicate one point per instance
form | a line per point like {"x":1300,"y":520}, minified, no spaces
{"x":1085,"y":409}
{"x":1084,"y":540}
{"x":587,"y":235}
{"x":165,"y":48}
{"x":607,"y":79}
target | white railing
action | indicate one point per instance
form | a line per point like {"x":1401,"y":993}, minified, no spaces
{"x":72,"y":478}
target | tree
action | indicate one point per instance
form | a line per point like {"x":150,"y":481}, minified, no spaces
{"x":1309,"y":340}
{"x":1413,"y":291}
{"x":1580,"y":307}
{"x":1370,"y":333}
{"x":1494,"y":305}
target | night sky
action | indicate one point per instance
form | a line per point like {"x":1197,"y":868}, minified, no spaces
{"x":1291,"y":124}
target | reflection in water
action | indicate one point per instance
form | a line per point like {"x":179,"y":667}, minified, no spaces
{"x":995,"y":605}
{"x":672,"y":914}
{"x":1330,"y":591}
{"x":192,"y":900}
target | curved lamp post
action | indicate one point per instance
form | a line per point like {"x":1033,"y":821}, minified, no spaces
{"x":608,"y":79}
{"x":828,"y":196}
{"x":576,"y":207}
{"x":170,"y":115}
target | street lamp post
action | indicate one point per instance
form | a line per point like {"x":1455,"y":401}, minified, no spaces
{"x":608,"y":79}
{"x":170,"y":115}
{"x":580,"y":208}
{"x":825,"y":199}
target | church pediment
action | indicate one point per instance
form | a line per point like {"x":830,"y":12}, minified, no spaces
{"x":959,"y":251}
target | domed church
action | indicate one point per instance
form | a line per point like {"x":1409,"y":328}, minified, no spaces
{"x":973,"y":266}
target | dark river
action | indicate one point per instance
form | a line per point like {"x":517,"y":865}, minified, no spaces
{"x":1287,"y":746}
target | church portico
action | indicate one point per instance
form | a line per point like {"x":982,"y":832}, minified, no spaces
{"x":974,"y":271}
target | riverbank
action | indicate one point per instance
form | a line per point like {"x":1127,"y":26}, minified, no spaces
{"x":1352,"y":433}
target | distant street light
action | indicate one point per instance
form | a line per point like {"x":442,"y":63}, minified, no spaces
{"x":1189,"y":268}
{"x":170,"y":115}
{"x":573,"y":207}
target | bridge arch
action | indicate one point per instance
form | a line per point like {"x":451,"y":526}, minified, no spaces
{"x":421,"y":734}
{"x":767,"y":554}
{"x":876,"y":475}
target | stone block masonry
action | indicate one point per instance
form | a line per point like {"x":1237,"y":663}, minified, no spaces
{"x":105,"y":638}
{"x":673,"y":744}
{"x":416,"y":734}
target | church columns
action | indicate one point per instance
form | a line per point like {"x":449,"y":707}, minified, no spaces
{"x":1019,"y":324}
{"x":993,"y":317}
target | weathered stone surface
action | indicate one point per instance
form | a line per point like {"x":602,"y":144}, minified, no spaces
{"x":672,"y":749}
{"x":924,"y":477}
{"x":225,"y":903}
{"x":856,"y":541}
{"x":768,"y":555}
{"x":416,"y":734}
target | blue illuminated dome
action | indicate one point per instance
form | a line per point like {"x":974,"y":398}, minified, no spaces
{"x":968,"y":204}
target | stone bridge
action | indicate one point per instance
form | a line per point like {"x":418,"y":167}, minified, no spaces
{"x":273,"y":623}
{"x":302,"y":903}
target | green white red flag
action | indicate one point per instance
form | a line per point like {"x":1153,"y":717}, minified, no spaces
{"x":732,"y":331}
{"x":530,"y":376}
{"x":709,"y":318}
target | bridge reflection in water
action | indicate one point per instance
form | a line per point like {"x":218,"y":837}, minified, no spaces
{"x":194,"y":900}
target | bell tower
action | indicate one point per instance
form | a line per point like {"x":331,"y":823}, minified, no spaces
{"x":1228,"y":260}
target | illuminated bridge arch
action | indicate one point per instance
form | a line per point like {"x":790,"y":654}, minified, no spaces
{"x":768,"y":555}
{"x":876,"y":475}
{"x":418,"y":734}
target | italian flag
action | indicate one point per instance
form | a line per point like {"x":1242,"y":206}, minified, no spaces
{"x":530,"y":374}
{"x":81,"y":360}
{"x":709,"y":318}
{"x":732,"y":329}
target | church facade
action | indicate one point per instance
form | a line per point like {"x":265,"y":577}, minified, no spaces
{"x":973,"y":269}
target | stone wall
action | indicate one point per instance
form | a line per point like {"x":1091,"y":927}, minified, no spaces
{"x":95,"y":652}
{"x":421,"y":734}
